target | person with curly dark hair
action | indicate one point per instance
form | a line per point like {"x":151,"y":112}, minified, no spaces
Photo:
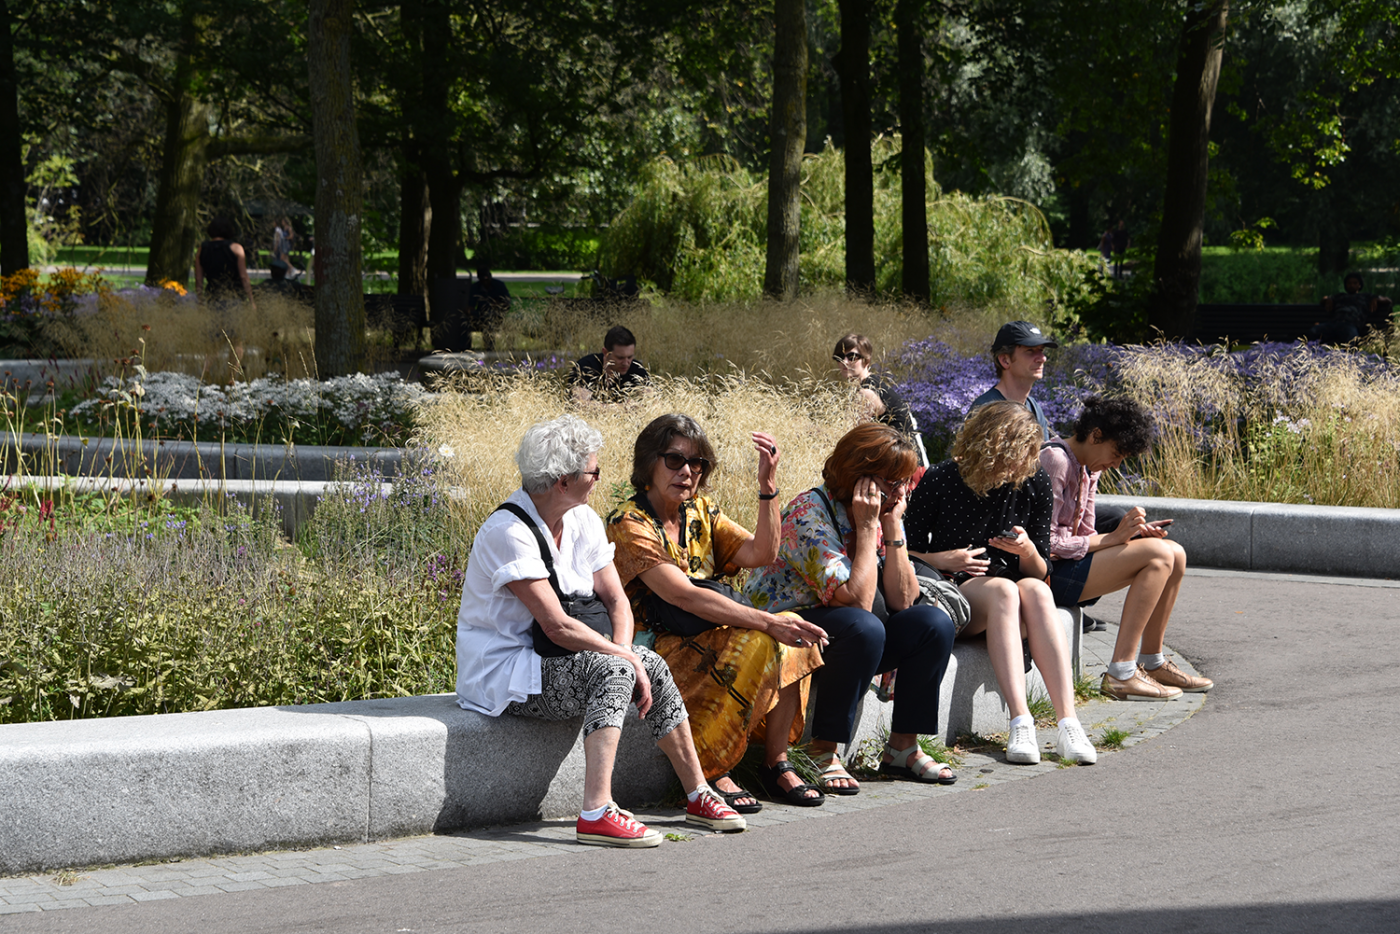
{"x":1085,"y":564}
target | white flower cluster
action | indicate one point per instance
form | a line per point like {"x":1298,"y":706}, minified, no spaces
{"x":358,"y":402}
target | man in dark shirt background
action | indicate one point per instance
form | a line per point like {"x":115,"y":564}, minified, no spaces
{"x":608,"y":376}
{"x":490,"y":302}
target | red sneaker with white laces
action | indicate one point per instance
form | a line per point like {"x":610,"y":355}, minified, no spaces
{"x":615,"y":829}
{"x":709,"y":810}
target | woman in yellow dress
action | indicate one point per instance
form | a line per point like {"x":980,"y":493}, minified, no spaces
{"x":743,"y":672}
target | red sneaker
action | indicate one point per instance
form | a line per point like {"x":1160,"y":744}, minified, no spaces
{"x":709,"y":810}
{"x":615,"y":829}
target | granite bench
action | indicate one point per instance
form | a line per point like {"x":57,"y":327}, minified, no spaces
{"x":87,"y":792}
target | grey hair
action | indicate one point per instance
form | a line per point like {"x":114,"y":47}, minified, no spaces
{"x":555,"y":449}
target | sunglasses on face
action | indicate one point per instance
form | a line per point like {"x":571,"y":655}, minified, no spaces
{"x":677,"y":461}
{"x":848,"y":357}
{"x":595,"y":474}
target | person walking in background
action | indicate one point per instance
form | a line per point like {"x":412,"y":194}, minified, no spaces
{"x":1121,"y":242}
{"x":283,"y":238}
{"x":490,"y":302}
{"x":1085,"y":564}
{"x":220,"y":280}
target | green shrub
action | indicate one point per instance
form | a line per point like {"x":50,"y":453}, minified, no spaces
{"x":697,"y":230}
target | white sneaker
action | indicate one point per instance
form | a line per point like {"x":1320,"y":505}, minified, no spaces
{"x":1022,"y":747}
{"x":1075,"y":745}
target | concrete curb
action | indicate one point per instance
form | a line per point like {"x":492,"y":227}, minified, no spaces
{"x":132,"y":788}
{"x":111,"y":458}
{"x":1345,"y":540}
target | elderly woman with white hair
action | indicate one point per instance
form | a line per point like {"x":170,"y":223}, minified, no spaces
{"x":545,"y":630}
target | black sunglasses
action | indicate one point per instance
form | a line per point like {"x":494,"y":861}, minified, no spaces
{"x":677,"y":461}
{"x":848,"y":357}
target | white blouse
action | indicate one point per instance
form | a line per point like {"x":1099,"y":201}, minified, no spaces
{"x":496,"y":661}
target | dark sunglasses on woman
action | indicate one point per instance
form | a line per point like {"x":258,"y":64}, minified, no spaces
{"x":677,"y":461}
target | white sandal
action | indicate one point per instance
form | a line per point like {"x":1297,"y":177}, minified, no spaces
{"x":923,"y":765}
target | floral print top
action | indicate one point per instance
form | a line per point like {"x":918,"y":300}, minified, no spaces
{"x":813,"y":559}
{"x":709,"y":540}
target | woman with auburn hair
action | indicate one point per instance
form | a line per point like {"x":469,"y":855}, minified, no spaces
{"x":742,"y":671}
{"x":829,"y":570}
{"x":983,"y":518}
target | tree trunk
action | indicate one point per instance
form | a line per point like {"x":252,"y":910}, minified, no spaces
{"x":14,"y":224}
{"x":913,"y":191}
{"x":854,"y":69}
{"x":340,"y":302}
{"x":444,"y":187}
{"x":183,"y":158}
{"x":415,"y":222}
{"x":1177,"y":270}
{"x":787,"y":127}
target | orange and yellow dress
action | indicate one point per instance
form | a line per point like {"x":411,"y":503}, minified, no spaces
{"x":729,"y":676}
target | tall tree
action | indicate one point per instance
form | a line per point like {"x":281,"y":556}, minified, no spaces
{"x":1177,"y":270}
{"x":853,"y":66}
{"x":788,"y":131}
{"x":340,"y":302}
{"x":913,"y":192}
{"x":14,"y":225}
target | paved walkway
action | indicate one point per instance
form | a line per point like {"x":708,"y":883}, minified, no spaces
{"x":1273,"y":808}
{"x":188,"y":878}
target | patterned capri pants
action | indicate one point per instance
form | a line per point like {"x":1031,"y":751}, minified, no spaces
{"x":598,"y":687}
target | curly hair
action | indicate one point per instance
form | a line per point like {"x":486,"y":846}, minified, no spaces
{"x":656,"y":437}
{"x":555,"y":449}
{"x":998,"y":444}
{"x":1122,"y":421}
{"x":869,"y":450}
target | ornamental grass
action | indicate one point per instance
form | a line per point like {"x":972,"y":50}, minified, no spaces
{"x":480,"y":423}
{"x":112,"y":608}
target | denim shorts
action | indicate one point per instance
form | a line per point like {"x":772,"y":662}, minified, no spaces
{"x":1067,"y":579}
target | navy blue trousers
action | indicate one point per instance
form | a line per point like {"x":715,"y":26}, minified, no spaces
{"x":917,"y":641}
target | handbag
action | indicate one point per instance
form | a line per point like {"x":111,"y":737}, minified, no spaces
{"x":586,"y":608}
{"x":673,"y":619}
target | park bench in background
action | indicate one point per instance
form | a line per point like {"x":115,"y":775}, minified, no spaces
{"x":404,"y":316}
{"x":1246,"y":324}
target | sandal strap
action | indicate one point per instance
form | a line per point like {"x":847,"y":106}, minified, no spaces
{"x":915,"y":760}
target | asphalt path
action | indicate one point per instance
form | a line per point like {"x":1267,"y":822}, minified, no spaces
{"x":1274,"y":808}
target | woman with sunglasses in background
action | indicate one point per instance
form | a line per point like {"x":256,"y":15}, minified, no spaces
{"x":883,"y":403}
{"x":742,"y":672}
{"x":843,"y":564}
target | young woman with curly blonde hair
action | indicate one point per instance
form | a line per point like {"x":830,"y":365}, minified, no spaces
{"x":983,"y":519}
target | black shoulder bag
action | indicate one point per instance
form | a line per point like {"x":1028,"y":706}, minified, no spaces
{"x":586,"y":608}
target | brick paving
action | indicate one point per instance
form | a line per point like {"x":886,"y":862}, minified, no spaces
{"x":194,"y":877}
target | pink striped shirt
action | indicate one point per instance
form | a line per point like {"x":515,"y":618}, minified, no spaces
{"x":1073,"y":519}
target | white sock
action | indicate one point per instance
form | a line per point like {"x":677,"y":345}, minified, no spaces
{"x":696,"y":793}
{"x":593,"y":814}
{"x":1024,"y":719}
{"x":1074,"y":720}
{"x":1150,"y":662}
{"x":1122,"y":670}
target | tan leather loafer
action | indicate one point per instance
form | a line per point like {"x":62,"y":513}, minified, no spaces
{"x":1173,"y":676}
{"x":1137,"y":688}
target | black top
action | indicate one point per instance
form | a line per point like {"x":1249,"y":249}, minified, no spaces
{"x":491,"y":298}
{"x":994,"y":395}
{"x":945,"y":514}
{"x":896,"y":414}
{"x":220,"y":267}
{"x":589,"y":373}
